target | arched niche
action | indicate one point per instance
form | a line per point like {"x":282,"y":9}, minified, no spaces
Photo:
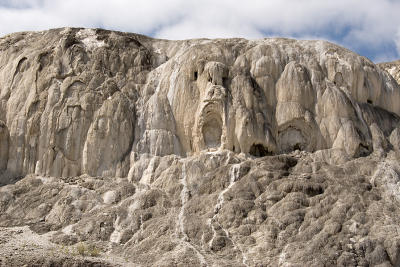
{"x":292,"y":139}
{"x":212,"y":132}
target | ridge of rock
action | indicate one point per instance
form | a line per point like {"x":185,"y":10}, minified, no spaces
{"x":85,"y":101}
{"x":224,"y":152}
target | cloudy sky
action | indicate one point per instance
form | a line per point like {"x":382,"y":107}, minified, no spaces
{"x":369,"y":27}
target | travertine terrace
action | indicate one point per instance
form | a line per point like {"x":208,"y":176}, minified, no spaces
{"x":224,"y":152}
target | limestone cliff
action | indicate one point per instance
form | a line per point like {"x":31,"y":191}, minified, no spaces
{"x":82,"y":101}
{"x":393,"y":68}
{"x":225,"y":152}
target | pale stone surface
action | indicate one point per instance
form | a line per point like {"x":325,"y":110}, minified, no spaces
{"x":220,"y":209}
{"x":226,"y":152}
{"x":110,"y":197}
{"x":3,"y":146}
{"x":395,"y":138}
{"x":393,"y":68}
{"x":81,"y":101}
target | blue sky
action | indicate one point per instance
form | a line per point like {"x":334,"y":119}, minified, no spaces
{"x":368,"y":27}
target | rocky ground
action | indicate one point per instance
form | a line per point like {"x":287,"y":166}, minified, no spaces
{"x":20,"y":246}
{"x":214,"y":209}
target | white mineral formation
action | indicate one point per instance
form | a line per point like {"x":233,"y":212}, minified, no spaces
{"x":79,"y":101}
{"x":225,"y":152}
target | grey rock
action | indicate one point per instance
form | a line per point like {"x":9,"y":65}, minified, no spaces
{"x":225,"y":152}
{"x":4,"y":136}
{"x":81,"y":101}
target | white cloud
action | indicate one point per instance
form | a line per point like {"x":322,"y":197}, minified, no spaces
{"x":357,"y":24}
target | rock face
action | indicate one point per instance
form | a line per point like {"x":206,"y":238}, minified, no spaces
{"x":393,"y":68}
{"x":216,"y":209}
{"x":82,"y":101}
{"x":225,"y":152}
{"x":3,"y":146}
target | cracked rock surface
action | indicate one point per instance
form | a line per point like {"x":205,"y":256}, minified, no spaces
{"x":225,"y":152}
{"x":221,"y":209}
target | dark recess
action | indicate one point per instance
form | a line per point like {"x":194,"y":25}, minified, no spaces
{"x":225,"y":82}
{"x":297,"y":147}
{"x":364,"y":150}
{"x":313,"y":191}
{"x":258,"y":150}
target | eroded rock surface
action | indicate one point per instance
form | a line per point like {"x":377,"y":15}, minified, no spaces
{"x":225,"y":152}
{"x":221,"y":209}
{"x":83,"y":101}
{"x":393,"y":68}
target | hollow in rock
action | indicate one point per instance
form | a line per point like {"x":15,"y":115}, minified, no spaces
{"x":212,"y":131}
